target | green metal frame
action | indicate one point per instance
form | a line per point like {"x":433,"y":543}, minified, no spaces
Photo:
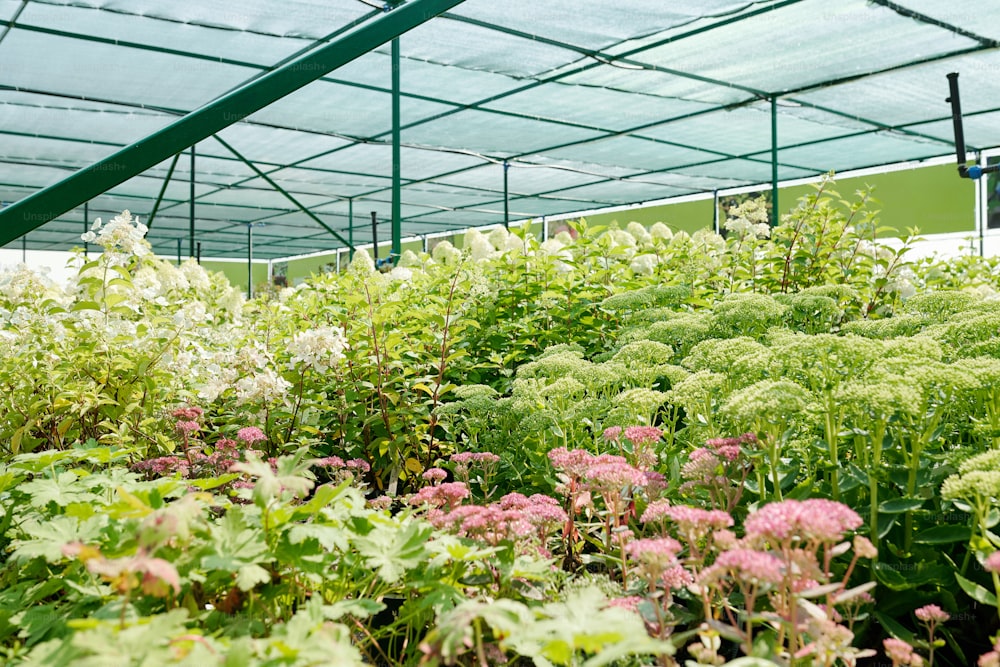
{"x":40,"y":207}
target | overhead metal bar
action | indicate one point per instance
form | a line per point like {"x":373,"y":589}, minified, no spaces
{"x":281,"y":190}
{"x":13,"y":20}
{"x":35,"y":210}
{"x":924,"y":18}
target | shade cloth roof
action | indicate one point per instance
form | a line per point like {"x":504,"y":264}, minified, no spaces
{"x":589,"y":103}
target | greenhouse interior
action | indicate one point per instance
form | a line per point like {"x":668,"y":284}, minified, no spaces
{"x":462,"y":332}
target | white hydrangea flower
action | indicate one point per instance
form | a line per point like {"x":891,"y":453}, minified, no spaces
{"x":638,"y":232}
{"x":498,"y":238}
{"x":401,"y":274}
{"x":122,"y":234}
{"x":447,"y":254}
{"x":660,"y":231}
{"x":644,"y":264}
{"x":410,"y":259}
{"x":622,"y":238}
{"x":320,"y":348}
{"x":479,"y":246}
{"x":263,"y":386}
{"x":196,"y":275}
{"x":564,"y":237}
{"x":361,"y":263}
{"x":146,"y":283}
{"x":171,"y":277}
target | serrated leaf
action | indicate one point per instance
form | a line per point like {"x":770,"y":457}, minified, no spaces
{"x":248,"y":576}
{"x":392,"y":550}
{"x":329,"y":537}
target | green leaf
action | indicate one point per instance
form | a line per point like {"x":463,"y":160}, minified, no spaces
{"x":976,"y":591}
{"x":900,"y":505}
{"x":249,"y":576}
{"x":890,"y":577}
{"x":894,"y":628}
{"x":944,"y":535}
{"x":392,"y":550}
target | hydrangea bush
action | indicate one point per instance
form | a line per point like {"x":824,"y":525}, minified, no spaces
{"x":612,"y":447}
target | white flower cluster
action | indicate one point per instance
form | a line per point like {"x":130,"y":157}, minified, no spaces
{"x":320,"y":348}
{"x":122,"y":234}
{"x":749,"y":220}
{"x":447,"y":254}
{"x":261,"y":386}
{"x":480,"y":247}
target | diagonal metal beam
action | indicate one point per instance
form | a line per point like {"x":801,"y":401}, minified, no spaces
{"x":37,"y":209}
{"x":283,"y":192}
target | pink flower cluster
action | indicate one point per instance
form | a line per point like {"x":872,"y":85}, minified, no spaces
{"x":932,"y":613}
{"x":448,"y":495}
{"x":812,"y":521}
{"x":513,"y":517}
{"x":901,"y":653}
{"x":643,"y":435}
{"x":465,"y":458}
{"x":992,"y":562}
{"x":187,"y":427}
{"x":251,"y":434}
{"x":190,"y":413}
{"x":435,"y":475}
{"x":990,"y":659}
{"x":745,"y":564}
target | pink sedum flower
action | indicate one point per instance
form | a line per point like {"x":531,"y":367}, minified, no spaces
{"x":187,"y":426}
{"x":932,"y":613}
{"x":655,"y":511}
{"x":251,"y":434}
{"x":992,"y":562}
{"x":434,"y":475}
{"x":758,"y":566}
{"x":901,"y":653}
{"x":612,"y":433}
{"x":813,"y":520}
{"x":449,"y":495}
{"x":643,"y":435}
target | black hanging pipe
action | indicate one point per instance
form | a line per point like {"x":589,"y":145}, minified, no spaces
{"x":375,"y":237}
{"x":974,"y":172}
{"x":506,"y":196}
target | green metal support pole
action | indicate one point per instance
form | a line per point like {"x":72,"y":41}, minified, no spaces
{"x":86,"y":226}
{"x":375,"y":236}
{"x":397,"y":189}
{"x":24,"y":249}
{"x":179,"y":242}
{"x":350,"y":228}
{"x":775,"y":218}
{"x":284,"y":193}
{"x":506,"y":197}
{"x":163,"y":191}
{"x":250,"y":261}
{"x":47,"y":204}
{"x":191,"y":209}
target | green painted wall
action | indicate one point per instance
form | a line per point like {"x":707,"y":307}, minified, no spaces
{"x":236,"y":272}
{"x":688,"y":216}
{"x":933,"y":199}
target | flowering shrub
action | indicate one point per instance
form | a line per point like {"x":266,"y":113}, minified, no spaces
{"x":516,"y":451}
